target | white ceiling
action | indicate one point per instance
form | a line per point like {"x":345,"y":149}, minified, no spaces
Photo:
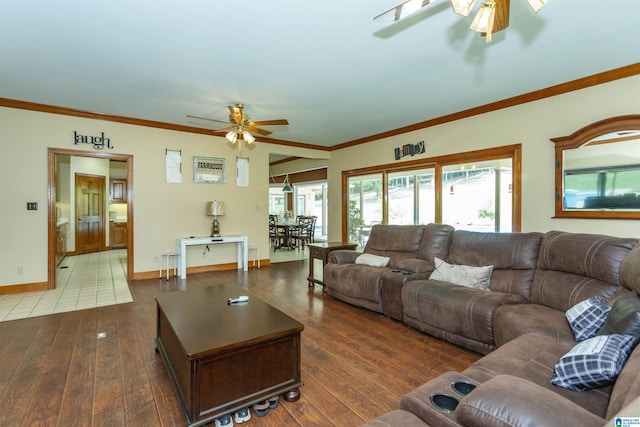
{"x":326,"y":66}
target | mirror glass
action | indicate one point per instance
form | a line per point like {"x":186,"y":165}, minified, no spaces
{"x":603,"y":173}
{"x":598,"y":170}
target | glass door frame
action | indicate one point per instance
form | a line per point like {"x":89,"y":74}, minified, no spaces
{"x":514,"y":152}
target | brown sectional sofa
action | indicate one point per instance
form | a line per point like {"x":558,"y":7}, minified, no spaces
{"x":519,"y":323}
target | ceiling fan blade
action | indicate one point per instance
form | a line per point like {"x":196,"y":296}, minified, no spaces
{"x":236,"y":113}
{"x":401,"y":11}
{"x":227,"y":129}
{"x":204,"y":118}
{"x":252,"y":128}
{"x":270,"y":122}
{"x":501,"y":19}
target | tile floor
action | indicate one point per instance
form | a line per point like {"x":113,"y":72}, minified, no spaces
{"x":284,"y":255}
{"x":84,"y":281}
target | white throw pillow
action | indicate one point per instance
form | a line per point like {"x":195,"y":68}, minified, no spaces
{"x":463,"y":275}
{"x":373,"y":260}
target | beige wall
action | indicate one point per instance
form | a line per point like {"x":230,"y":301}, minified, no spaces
{"x":164,"y":212}
{"x":531,"y":125}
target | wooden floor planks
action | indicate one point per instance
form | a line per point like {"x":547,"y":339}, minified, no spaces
{"x":356,"y":365}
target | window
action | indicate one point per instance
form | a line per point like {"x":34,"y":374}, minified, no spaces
{"x":476,"y":191}
{"x":365,"y":206}
{"x":476,"y":196}
{"x":311,"y":199}
{"x":276,"y":200}
{"x":412,"y":197}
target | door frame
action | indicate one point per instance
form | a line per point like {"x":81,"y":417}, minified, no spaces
{"x":51,"y":205}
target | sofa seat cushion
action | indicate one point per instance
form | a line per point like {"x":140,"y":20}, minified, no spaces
{"x":510,"y":322}
{"x":506,"y":401}
{"x":459,"y":310}
{"x":533,"y":357}
{"x":356,"y":284}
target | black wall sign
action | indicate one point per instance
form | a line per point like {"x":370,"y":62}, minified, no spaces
{"x":409,"y":150}
{"x":98,"y":142}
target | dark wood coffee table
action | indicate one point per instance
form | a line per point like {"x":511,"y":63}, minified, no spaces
{"x":221,"y":358}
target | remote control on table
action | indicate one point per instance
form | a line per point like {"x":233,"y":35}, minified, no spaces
{"x":241,"y":298}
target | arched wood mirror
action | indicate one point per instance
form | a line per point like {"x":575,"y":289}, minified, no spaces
{"x":598,"y":170}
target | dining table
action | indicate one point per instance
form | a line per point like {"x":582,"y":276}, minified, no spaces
{"x":285,"y":232}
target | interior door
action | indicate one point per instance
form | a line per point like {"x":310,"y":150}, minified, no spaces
{"x":90,"y":207}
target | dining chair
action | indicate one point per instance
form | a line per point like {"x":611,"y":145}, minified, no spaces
{"x":302,"y":233}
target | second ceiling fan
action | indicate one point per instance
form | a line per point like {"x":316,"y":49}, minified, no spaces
{"x":492,"y":17}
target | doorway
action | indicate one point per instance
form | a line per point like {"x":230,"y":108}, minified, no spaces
{"x":53,"y":210}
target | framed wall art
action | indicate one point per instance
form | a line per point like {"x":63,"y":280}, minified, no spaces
{"x":209,"y":170}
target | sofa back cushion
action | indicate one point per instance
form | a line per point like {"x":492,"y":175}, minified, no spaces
{"x":398,"y":242}
{"x":513,"y":255}
{"x":627,"y":386}
{"x":630,"y":269}
{"x":575,"y":266}
{"x":435,"y":242}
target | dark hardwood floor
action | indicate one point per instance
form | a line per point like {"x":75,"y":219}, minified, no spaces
{"x":356,"y":365}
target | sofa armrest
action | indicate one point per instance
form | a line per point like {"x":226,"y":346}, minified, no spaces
{"x":343,"y":256}
{"x":415,"y":265}
{"x":506,"y":400}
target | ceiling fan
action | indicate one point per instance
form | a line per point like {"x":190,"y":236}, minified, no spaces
{"x":240,"y":126}
{"x":492,"y":17}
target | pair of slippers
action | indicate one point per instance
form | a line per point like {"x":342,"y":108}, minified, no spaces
{"x":262,"y":409}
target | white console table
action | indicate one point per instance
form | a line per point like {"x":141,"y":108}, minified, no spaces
{"x":243,"y":249}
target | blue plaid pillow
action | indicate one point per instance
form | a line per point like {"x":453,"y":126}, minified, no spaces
{"x":593,"y":363}
{"x":587,"y":317}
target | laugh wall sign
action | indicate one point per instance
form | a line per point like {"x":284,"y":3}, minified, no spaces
{"x":98,"y":142}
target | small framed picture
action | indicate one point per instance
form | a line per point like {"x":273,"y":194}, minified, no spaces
{"x":209,"y":170}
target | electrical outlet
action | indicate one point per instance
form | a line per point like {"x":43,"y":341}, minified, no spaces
{"x":32,"y":206}
{"x":21,"y":269}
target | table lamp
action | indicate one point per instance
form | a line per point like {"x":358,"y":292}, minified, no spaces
{"x":215,"y":209}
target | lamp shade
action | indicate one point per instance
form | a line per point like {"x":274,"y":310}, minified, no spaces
{"x":287,"y":188}
{"x":536,"y":5}
{"x":248,"y":137}
{"x":231,"y":136}
{"x":215,"y":208}
{"x":462,"y":7}
{"x":483,"y":22}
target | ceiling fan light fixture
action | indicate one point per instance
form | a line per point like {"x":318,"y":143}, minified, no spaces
{"x":248,"y":137}
{"x":536,"y":5}
{"x":462,"y":7}
{"x":231,"y":136}
{"x":483,"y":22}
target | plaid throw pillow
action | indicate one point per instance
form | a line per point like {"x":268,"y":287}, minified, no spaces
{"x":587,"y":317}
{"x":593,"y":363}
